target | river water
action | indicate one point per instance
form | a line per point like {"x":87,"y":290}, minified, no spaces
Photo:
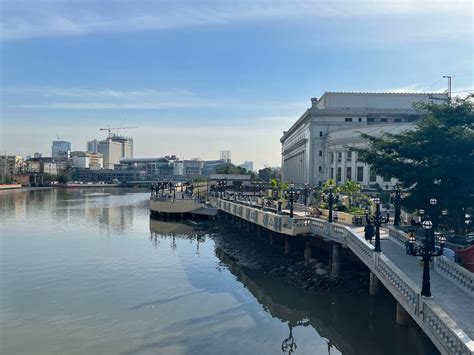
{"x":87,"y":272}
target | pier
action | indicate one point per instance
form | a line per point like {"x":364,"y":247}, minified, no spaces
{"x":446,"y":318}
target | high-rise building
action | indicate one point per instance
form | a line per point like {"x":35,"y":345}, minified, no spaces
{"x":37,"y":155}
{"x":225,"y":156}
{"x":61,"y":149}
{"x":248,"y":165}
{"x":87,"y":160}
{"x":93,"y":146}
{"x":115,"y":148}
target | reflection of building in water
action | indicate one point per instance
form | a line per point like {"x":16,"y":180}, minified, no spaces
{"x":327,"y":314}
{"x":117,"y":219}
{"x":160,"y":230}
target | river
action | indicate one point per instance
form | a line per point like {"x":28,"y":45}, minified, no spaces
{"x":85,"y":271}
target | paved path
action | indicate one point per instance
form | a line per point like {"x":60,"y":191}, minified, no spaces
{"x":455,"y":302}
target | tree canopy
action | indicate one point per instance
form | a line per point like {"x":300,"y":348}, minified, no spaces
{"x":433,"y":160}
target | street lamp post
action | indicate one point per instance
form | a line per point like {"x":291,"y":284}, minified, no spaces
{"x":291,"y":196}
{"x":330,"y":198}
{"x":428,"y":249}
{"x":397,"y":199}
{"x":377,"y":219}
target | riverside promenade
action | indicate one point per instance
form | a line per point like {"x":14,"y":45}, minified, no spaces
{"x":447,"y":318}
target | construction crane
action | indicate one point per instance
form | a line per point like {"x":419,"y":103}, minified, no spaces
{"x":109,"y":129}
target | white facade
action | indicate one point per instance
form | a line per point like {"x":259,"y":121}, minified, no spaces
{"x":307,"y":145}
{"x":115,"y":148}
{"x":89,"y":160}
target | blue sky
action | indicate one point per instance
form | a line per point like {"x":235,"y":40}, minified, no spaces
{"x":197,"y":77}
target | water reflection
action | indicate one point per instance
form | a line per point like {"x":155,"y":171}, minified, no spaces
{"x":151,"y":287}
{"x":105,"y":208}
{"x":349,"y":324}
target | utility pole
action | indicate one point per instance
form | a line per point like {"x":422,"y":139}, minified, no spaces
{"x":449,"y":85}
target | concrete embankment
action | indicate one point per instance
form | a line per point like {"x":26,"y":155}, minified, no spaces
{"x":9,"y":186}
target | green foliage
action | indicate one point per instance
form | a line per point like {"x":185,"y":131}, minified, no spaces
{"x":350,"y":188}
{"x":328,"y":183}
{"x":436,"y":159}
{"x":229,"y":168}
{"x":8,"y":180}
{"x":356,"y":211}
{"x":267,"y":174}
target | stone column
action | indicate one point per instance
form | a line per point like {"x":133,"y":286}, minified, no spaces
{"x":373,"y":284}
{"x":287,"y":244}
{"x":336,"y":260}
{"x":402,"y":317}
{"x":307,"y":251}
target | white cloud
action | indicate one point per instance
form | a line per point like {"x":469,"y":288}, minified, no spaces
{"x":112,"y":99}
{"x":46,"y":18}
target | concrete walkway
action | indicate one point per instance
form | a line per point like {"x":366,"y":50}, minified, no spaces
{"x":455,"y":302}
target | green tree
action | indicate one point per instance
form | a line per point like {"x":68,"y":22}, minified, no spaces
{"x":266,"y":174}
{"x":435,"y":159}
{"x":350,"y":188}
{"x":328,"y":183}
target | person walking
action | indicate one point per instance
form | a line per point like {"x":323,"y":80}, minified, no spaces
{"x":369,"y":232}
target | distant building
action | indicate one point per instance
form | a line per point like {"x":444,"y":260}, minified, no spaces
{"x":37,"y":155}
{"x":49,"y":168}
{"x":114,"y":148}
{"x":318,"y":145}
{"x":108,"y":175}
{"x":93,"y":146}
{"x":225,"y":156}
{"x":210,"y":166}
{"x":248,"y":165}
{"x":154,"y":168}
{"x":10,"y":165}
{"x":90,"y":160}
{"x":60,"y":149}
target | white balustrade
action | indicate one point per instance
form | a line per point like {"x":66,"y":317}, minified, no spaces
{"x":461,"y":277}
{"x":444,"y":330}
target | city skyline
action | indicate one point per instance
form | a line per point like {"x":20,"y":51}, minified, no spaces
{"x":199,"y":78}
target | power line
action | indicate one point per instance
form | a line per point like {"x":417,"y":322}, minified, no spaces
{"x":436,"y":82}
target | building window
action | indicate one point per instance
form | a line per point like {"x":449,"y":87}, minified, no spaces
{"x":397,"y":120}
{"x":383,"y":120}
{"x":320,"y":153}
{"x":339,"y":171}
{"x":331,"y":156}
{"x":320,"y":133}
{"x":360,"y":173}
{"x":373,"y":176}
{"x":359,"y":119}
{"x":348,"y":173}
{"x":320,"y":168}
{"x":339,"y":157}
{"x":386,"y":179}
{"x":348,"y":119}
{"x":349,"y":156}
{"x":370,"y":119}
{"x":332,"y":173}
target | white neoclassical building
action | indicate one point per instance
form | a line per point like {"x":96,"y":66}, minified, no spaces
{"x":317,"y":146}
